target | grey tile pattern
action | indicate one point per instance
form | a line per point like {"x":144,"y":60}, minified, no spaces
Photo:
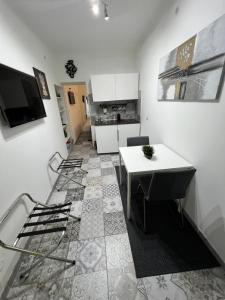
{"x":94,"y":173}
{"x":123,"y":284}
{"x":111,"y":190}
{"x":93,"y":192}
{"x":202,"y":284}
{"x":111,"y":205}
{"x":112,"y":200}
{"x":107,"y":171}
{"x":99,"y":243}
{"x":90,"y":286}
{"x":93,"y":165}
{"x":92,"y":206}
{"x":106,"y":164}
{"x":118,"y":251}
{"x":76,"y":194}
{"x":76,"y":208}
{"x":93,"y":155}
{"x":92,"y":225}
{"x":114,"y":223}
{"x":58,"y":197}
{"x":22,"y":292}
{"x":91,"y":256}
{"x":105,"y":157}
{"x":55,"y":289}
{"x":93,"y":181}
{"x":72,"y":232}
{"x":115,"y":159}
{"x":110,"y":179}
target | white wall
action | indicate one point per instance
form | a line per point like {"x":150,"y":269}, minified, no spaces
{"x":94,"y":63}
{"x":24,"y":150}
{"x":195,"y":130}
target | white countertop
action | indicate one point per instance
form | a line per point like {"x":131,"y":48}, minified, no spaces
{"x":163,"y":159}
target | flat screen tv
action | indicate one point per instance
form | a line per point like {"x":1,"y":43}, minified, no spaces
{"x":20,"y":99}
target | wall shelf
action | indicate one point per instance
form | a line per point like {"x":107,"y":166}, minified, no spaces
{"x":63,"y":114}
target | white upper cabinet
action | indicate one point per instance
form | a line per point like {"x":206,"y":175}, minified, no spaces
{"x":112,"y":87}
{"x":103,"y":87}
{"x":126,"y":86}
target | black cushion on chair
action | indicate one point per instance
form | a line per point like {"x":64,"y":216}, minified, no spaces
{"x":170,"y":184}
{"x":137,"y":141}
{"x":162,"y":187}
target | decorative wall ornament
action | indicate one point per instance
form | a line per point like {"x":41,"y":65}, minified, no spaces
{"x":71,"y":69}
{"x":195,"y":70}
{"x":42,"y":83}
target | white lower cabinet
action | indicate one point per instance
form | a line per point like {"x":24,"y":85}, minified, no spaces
{"x":110,"y":138}
{"x":93,"y":137}
{"x":107,"y":139}
{"x":126,"y":131}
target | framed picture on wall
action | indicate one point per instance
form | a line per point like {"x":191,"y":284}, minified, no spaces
{"x":71,"y":97}
{"x":42,"y":83}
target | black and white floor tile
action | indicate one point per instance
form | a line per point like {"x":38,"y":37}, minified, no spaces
{"x":114,"y":223}
{"x":118,"y":251}
{"x":123,"y":284}
{"x":107,"y":171}
{"x":92,"y":225}
{"x":104,"y":266}
{"x":90,"y":286}
{"x":112,"y":204}
{"x":91,"y":256}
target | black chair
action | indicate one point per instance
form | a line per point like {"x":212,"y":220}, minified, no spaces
{"x":137,"y":141}
{"x":161,"y":187}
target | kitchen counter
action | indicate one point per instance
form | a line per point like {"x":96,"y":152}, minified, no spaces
{"x":115,"y":122}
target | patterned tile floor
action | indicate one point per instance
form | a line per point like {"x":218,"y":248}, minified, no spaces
{"x":104,"y":265}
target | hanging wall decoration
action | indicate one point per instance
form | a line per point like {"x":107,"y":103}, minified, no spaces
{"x":194,"y":71}
{"x":71,"y":69}
{"x":42,"y":83}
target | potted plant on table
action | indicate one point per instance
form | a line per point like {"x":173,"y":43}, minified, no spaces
{"x":148,"y":151}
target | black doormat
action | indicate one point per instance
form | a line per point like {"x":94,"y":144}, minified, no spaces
{"x":169,"y":248}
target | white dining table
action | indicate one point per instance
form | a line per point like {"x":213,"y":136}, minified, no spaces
{"x":164,"y":159}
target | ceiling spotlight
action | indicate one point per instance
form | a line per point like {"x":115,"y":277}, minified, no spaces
{"x":106,"y":12}
{"x":95,"y":9}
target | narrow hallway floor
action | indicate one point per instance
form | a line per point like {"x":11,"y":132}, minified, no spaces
{"x":104,"y":265}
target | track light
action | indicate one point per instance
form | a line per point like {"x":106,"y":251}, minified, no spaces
{"x":95,"y":9}
{"x":106,"y":12}
{"x":95,"y":6}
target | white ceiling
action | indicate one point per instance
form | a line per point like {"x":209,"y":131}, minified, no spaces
{"x":69,"y":25}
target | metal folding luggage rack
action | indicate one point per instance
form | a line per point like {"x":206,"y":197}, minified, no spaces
{"x":64,"y":168}
{"x":30,"y":228}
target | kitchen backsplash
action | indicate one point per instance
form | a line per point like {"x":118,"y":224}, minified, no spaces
{"x":127,"y":110}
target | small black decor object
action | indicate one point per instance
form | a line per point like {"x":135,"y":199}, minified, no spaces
{"x":148,"y":151}
{"x":65,"y":132}
{"x":42,"y":83}
{"x":71,"y":69}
